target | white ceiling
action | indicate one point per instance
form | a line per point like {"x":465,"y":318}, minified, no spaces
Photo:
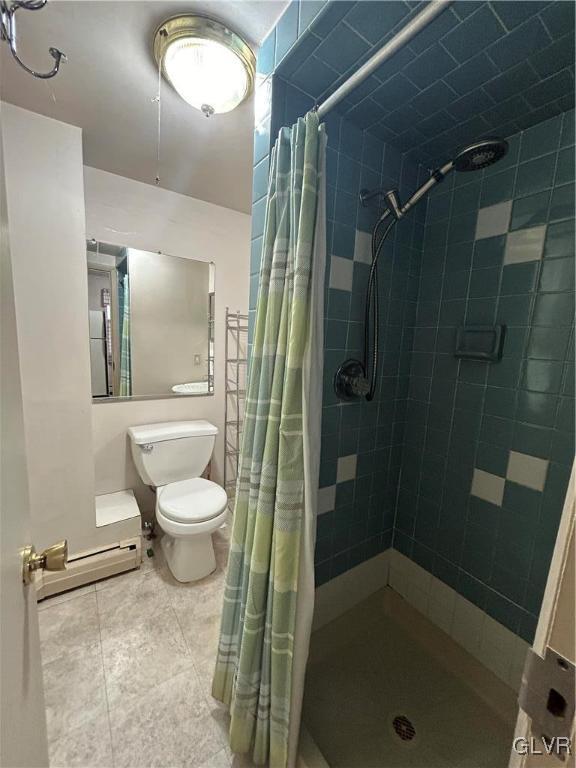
{"x":110,"y":79}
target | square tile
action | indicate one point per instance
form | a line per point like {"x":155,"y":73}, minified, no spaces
{"x":145,"y":654}
{"x":86,"y":746}
{"x":341,"y":273}
{"x":74,"y":690}
{"x":342,"y":48}
{"x":488,"y":487}
{"x":524,"y":245}
{"x":519,"y":278}
{"x":474,"y":35}
{"x":363,"y":247}
{"x":560,"y":240}
{"x":542,"y":375}
{"x":557,"y":275}
{"x":286,"y":31}
{"x":346,"y":468}
{"x":556,"y":309}
{"x":68,"y":627}
{"x":493,"y":220}
{"x":185,"y":731}
{"x":374,"y":21}
{"x":527,"y":470}
{"x":519,"y":44}
{"x":326,"y":499}
{"x":535,"y":175}
{"x":530,"y":211}
{"x":473,"y":73}
{"x":548,"y":343}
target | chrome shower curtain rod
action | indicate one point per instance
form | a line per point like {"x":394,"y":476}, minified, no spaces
{"x":419,"y":22}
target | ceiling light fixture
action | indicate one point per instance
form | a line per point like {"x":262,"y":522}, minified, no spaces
{"x":211,"y":67}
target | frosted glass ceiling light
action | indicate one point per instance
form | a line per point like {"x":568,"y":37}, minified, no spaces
{"x":210,"y":66}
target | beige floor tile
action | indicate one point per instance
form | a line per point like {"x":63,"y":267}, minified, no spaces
{"x":201,"y":633}
{"x":68,"y":626}
{"x":220,"y":760}
{"x":170,"y":726}
{"x":155,"y":562}
{"x":120,"y":579}
{"x":131,"y":601}
{"x":64,"y":597}
{"x":86,"y":746}
{"x":74,"y":691}
{"x":141,"y":655}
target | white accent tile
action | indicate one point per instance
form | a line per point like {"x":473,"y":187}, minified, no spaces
{"x":410,"y":580}
{"x":488,"y":487}
{"x":517,"y":661}
{"x":346,"y":468}
{"x":490,"y":642}
{"x":442,"y":593}
{"x":326,"y":499}
{"x":363,"y":247}
{"x":441,"y":604}
{"x":524,"y":245}
{"x":498,"y":648}
{"x":341,"y":272}
{"x":527,"y":470}
{"x":441,"y":614}
{"x":467,"y":625}
{"x":339,"y":595}
{"x":493,"y":220}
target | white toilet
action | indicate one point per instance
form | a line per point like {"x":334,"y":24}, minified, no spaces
{"x":170,"y":457}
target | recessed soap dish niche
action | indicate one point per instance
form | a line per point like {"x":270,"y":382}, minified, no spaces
{"x":480,"y":342}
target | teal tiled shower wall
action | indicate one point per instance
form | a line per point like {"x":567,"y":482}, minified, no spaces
{"x":361,"y":442}
{"x":462,"y":466}
{"x":488,"y":448}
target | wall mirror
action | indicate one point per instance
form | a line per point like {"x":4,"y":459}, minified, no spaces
{"x":151,"y":324}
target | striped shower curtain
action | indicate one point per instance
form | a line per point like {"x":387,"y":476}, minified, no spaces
{"x":125,"y":349}
{"x":269,"y":593}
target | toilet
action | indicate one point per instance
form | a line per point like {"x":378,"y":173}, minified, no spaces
{"x":170,"y":457}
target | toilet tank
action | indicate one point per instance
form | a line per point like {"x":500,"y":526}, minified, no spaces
{"x":172,"y":450}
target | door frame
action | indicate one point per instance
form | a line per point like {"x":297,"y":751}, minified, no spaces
{"x":548,"y":614}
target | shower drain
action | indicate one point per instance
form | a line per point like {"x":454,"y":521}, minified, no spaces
{"x":403,"y":728}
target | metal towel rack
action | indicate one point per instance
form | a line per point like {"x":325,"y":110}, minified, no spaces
{"x":235,"y":383}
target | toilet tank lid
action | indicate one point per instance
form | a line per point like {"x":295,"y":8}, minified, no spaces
{"x":171,"y":430}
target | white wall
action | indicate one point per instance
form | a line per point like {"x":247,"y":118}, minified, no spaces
{"x":129,"y":213}
{"x":45,"y":203}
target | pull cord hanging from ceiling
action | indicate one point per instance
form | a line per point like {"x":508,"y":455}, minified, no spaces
{"x":8,"y":33}
{"x":158,"y":101}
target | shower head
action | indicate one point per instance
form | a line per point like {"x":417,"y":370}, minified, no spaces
{"x":480,"y":155}
{"x":474,"y":157}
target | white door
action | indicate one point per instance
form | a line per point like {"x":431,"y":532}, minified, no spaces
{"x":555,"y":635}
{"x":22,"y":719}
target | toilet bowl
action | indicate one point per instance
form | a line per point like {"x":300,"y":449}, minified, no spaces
{"x":189,"y":512}
{"x":170,"y":457}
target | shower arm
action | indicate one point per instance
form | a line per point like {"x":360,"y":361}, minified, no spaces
{"x":393,"y":204}
{"x":436,"y":177}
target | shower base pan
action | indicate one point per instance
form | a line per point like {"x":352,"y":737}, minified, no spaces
{"x":386,"y":688}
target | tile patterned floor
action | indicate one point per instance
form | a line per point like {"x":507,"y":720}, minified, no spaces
{"x":365,"y":669}
{"x":127,"y":671}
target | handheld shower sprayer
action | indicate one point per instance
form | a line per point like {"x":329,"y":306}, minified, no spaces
{"x":358,"y":379}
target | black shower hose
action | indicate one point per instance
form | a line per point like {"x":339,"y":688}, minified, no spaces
{"x":372,"y":303}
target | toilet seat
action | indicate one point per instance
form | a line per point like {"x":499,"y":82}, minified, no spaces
{"x":192,"y":501}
